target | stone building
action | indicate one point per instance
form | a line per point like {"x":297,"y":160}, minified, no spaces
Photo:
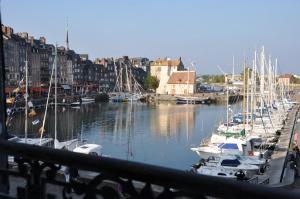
{"x":286,"y":80}
{"x":107,"y":74}
{"x":181,"y":83}
{"x":77,"y":70}
{"x":73,"y":75}
{"x":11,"y":57}
{"x":162,"y":69}
{"x":34,"y":65}
{"x":46,"y":61}
{"x":141,"y":62}
{"x":62,"y":70}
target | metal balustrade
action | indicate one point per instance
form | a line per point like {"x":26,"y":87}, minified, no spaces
{"x":39,"y":168}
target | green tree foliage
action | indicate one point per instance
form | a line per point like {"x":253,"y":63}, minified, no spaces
{"x":213,"y":78}
{"x":151,"y":83}
{"x":247,"y":70}
{"x":296,"y":80}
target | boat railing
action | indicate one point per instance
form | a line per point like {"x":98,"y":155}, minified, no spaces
{"x":265,"y":181}
{"x":253,"y":180}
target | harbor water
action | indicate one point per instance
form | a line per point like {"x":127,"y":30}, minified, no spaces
{"x":159,"y":134}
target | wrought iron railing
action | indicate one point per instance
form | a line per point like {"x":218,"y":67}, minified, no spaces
{"x":37,"y":173}
{"x":290,"y":143}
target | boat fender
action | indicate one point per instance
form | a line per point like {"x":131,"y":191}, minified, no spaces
{"x":240,"y":175}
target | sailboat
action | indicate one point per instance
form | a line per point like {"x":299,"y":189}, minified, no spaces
{"x":260,"y":125}
{"x":70,"y":144}
{"x":26,"y":139}
{"x":126,"y":89}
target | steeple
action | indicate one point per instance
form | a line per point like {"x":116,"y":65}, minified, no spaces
{"x":67,"y":37}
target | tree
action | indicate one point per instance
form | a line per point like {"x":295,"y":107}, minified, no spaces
{"x":213,"y":78}
{"x":296,"y":80}
{"x":151,"y":83}
{"x":247,"y":70}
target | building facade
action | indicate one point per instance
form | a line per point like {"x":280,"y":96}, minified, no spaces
{"x":75,"y":70}
{"x":11,"y":56}
{"x":181,"y":83}
{"x":162,"y":70}
{"x":286,"y":80}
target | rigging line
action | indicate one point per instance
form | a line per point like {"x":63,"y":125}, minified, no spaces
{"x":47,"y":102}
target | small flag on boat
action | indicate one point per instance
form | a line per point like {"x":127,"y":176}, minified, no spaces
{"x":32,"y":113}
{"x":10,"y":100}
{"x":16,"y":90}
{"x":8,"y":111}
{"x":35,"y":122}
{"x":21,"y":83}
{"x":30,"y":104}
{"x":41,"y":130}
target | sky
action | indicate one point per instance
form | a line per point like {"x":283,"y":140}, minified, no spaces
{"x":206,"y":32}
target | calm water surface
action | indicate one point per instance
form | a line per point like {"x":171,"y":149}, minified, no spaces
{"x":159,"y":134}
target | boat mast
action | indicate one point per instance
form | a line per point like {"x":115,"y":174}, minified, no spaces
{"x":188,"y":81}
{"x":255,"y":82}
{"x":244,"y":94}
{"x":262,"y":79}
{"x":55,"y":97}
{"x":252,"y":95}
{"x":42,"y":129}
{"x":26,"y":99}
{"x":275,"y":75}
{"x":227,"y":101}
{"x":270,"y":81}
{"x":127,"y":79}
{"x":247,"y":94}
{"x":121,"y":79}
{"x":232,"y":78}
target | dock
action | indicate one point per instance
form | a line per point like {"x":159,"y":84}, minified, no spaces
{"x":207,"y":98}
{"x":280,"y":172}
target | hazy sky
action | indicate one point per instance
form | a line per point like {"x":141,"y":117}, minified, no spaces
{"x":208,"y":32}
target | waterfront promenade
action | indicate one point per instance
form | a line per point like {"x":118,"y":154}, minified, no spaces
{"x":280,"y":172}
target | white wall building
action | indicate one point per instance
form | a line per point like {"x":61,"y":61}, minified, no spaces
{"x":181,"y":83}
{"x":162,"y":69}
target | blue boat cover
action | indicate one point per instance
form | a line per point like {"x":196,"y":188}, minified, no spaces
{"x":229,"y":146}
{"x":230,"y":163}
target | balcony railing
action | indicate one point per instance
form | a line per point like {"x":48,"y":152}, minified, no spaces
{"x":37,"y":173}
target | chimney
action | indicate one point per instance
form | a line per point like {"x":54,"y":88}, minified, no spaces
{"x":43,"y":40}
{"x":7,"y":30}
{"x":24,"y":35}
{"x":31,"y":40}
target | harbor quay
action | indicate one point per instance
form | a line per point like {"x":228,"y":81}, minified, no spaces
{"x":281,"y":172}
{"x":206,"y":98}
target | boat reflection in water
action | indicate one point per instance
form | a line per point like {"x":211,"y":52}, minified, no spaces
{"x":159,"y":134}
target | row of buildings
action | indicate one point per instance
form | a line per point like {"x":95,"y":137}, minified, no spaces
{"x":74,"y":70}
{"x":77,"y":72}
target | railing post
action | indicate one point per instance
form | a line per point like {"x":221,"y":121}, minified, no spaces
{"x":3,"y":133}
